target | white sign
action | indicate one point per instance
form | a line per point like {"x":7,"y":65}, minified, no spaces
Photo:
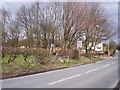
{"x":52,"y":45}
{"x":79,"y":44}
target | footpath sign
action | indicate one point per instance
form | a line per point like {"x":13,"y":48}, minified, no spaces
{"x":79,"y":44}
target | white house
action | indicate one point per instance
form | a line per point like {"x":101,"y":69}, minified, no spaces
{"x":99,"y":47}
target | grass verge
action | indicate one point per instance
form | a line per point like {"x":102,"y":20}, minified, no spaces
{"x":21,"y":67}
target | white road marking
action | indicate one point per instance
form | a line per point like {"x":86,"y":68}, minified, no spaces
{"x":106,"y":65}
{"x":113,"y":63}
{"x":48,"y":72}
{"x":92,"y":70}
{"x":64,"y":79}
{"x":72,"y":76}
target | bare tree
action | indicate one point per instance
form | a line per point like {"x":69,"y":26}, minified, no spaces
{"x":6,"y":24}
{"x":97,"y":26}
{"x":36,"y":14}
{"x":51,"y":16}
{"x":43,"y":23}
{"x":73,"y":22}
{"x":14,"y":34}
{"x":25,"y":21}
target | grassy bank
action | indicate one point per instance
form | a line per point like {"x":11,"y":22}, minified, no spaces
{"x":19,"y":66}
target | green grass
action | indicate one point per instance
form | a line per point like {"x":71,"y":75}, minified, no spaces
{"x":19,"y":59}
{"x":20,"y":66}
{"x":71,"y":62}
{"x":96,"y":59}
{"x":5,"y":60}
{"x":8,"y":69}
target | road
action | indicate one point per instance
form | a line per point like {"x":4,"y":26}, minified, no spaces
{"x":102,"y":74}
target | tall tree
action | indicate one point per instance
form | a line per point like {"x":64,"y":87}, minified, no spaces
{"x":97,"y":26}
{"x":25,"y":21}
{"x":6,"y":22}
{"x":73,"y":22}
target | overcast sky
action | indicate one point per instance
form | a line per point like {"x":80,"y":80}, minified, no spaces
{"x":111,"y":7}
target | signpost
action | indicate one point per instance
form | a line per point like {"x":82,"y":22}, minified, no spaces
{"x":79,"y":46}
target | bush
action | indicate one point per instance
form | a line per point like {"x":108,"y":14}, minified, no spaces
{"x":62,"y":54}
{"x":73,"y":54}
{"x":112,"y":47}
{"x":13,"y":54}
{"x":112,"y":52}
{"x":4,"y":52}
{"x":41,"y":56}
{"x":118,"y":47}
